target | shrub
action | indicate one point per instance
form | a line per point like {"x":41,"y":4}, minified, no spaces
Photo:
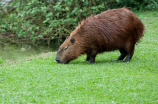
{"x":49,"y":19}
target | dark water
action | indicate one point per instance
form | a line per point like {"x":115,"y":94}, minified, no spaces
{"x":14,"y":52}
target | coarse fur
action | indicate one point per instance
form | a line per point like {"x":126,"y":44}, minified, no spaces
{"x":116,"y":29}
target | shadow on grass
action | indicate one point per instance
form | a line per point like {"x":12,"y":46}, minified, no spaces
{"x":96,"y":62}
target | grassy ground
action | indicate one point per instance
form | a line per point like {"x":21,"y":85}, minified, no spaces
{"x":42,"y":80}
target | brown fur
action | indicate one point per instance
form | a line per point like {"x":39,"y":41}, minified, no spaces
{"x":116,"y":29}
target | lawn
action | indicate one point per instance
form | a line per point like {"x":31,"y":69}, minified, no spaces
{"x":40,"y":79}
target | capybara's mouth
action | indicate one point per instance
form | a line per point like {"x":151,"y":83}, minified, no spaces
{"x":66,"y":62}
{"x":59,"y":62}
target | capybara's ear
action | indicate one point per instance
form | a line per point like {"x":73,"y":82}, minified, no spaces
{"x":67,"y":37}
{"x":72,"y":40}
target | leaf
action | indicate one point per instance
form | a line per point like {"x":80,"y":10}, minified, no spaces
{"x":46,"y":20}
{"x":52,"y":37}
{"x":94,"y":7}
{"x":67,"y":8}
{"x":57,"y":14}
{"x":49,"y":14}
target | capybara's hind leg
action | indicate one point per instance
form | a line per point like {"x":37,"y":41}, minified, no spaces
{"x":123,"y":54}
{"x":130,"y":52}
{"x":129,"y":56}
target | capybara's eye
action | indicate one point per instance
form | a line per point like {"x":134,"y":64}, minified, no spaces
{"x":72,"y":40}
{"x":66,"y":47}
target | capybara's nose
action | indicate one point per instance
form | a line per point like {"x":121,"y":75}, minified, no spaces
{"x":57,"y":60}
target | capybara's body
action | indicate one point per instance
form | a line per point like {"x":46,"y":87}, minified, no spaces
{"x":116,"y":29}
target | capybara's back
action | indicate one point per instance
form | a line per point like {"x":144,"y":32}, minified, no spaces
{"x":116,"y":29}
{"x":125,"y":19}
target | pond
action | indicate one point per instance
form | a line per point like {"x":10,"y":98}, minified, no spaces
{"x":14,"y":52}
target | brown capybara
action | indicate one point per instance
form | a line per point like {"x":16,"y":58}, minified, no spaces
{"x":116,"y":29}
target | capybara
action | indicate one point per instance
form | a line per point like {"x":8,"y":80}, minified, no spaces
{"x":115,"y":29}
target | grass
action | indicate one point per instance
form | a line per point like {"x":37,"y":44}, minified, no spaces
{"x":41,"y":80}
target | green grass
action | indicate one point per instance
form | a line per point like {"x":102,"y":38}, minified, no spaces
{"x":42,"y":80}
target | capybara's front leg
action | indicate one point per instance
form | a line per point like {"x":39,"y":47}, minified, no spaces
{"x":88,"y":57}
{"x":92,"y":56}
{"x":92,"y":59}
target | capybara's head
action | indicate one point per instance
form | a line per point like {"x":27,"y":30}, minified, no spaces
{"x":68,"y":51}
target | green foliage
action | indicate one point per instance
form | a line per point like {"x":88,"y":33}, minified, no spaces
{"x":49,"y":19}
{"x":1,"y":61}
{"x":137,"y":4}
